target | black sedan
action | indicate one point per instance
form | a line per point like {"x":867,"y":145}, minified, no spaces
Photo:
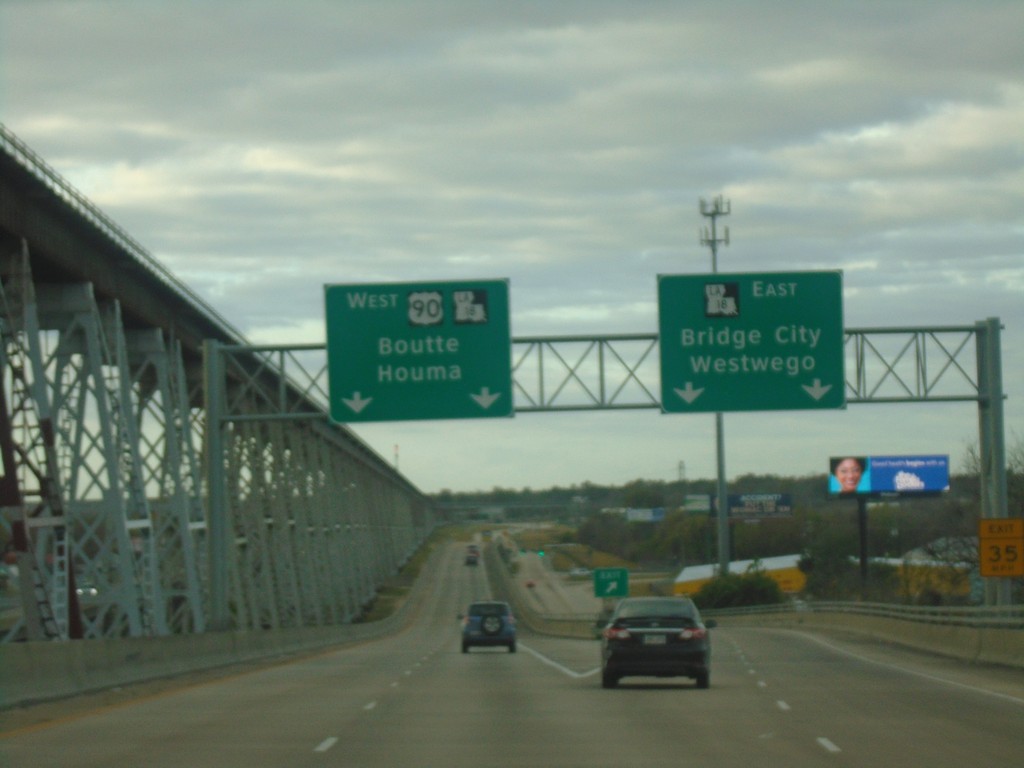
{"x":656,"y":637}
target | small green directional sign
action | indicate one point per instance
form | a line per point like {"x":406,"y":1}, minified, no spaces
{"x":751,"y":342}
{"x":611,"y":582}
{"x":413,"y":351}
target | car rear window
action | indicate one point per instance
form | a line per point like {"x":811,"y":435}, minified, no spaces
{"x":680,"y":609}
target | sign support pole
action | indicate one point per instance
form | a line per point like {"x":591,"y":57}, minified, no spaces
{"x":992,"y":448}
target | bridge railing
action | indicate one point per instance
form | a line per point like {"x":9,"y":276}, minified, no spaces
{"x":88,"y":210}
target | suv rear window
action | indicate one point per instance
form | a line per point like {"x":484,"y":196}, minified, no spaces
{"x":488,"y":609}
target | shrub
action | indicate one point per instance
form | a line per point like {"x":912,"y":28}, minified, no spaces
{"x":734,"y":590}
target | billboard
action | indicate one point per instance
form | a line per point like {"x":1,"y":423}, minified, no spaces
{"x":887,"y":475}
{"x":757,"y":506}
{"x":655,"y":515}
{"x":698,"y":502}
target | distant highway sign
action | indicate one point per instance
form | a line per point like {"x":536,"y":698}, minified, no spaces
{"x":611,"y":582}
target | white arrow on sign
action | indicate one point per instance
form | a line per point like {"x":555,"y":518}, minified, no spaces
{"x":689,"y":394}
{"x":816,"y":390}
{"x":611,"y":587}
{"x":357,"y":402}
{"x":485,"y":399}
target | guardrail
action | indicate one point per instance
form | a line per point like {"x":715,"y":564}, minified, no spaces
{"x":979,"y":617}
{"x":88,"y":210}
{"x":993,"y":617}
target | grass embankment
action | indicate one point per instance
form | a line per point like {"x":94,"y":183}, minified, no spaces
{"x":394,"y":591}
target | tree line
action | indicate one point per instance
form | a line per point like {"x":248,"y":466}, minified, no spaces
{"x":823,"y":530}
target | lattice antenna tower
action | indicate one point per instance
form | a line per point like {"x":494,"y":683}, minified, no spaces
{"x":709,"y":235}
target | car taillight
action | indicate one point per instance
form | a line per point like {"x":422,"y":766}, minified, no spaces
{"x":616,"y":633}
{"x":693,"y":634}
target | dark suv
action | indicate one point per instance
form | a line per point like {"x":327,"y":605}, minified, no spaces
{"x":488,"y":623}
{"x":656,"y":637}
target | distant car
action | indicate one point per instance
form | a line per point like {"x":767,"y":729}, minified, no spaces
{"x":472,"y":558}
{"x":579,"y":572}
{"x":656,"y":637}
{"x":489,"y":623}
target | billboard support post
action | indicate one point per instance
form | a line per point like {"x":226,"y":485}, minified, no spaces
{"x":862,"y":528}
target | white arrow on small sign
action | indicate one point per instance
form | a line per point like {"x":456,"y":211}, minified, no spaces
{"x":484,"y":398}
{"x":816,"y":390}
{"x":689,"y":394}
{"x":357,"y":402}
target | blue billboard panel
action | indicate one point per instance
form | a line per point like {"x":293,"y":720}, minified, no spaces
{"x":909,"y":474}
{"x":888,"y":475}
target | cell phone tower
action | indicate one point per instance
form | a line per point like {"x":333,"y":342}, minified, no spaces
{"x":709,"y":235}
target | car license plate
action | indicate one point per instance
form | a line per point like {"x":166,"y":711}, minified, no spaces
{"x":654,"y":639}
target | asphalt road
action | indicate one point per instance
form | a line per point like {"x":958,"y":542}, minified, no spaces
{"x":777,"y":698}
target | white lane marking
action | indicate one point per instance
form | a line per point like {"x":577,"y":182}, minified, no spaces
{"x":925,"y":675}
{"x":370,"y":706}
{"x":828,"y":744}
{"x":762,"y":684}
{"x":326,"y":744}
{"x":556,"y":665}
{"x":782,"y":705}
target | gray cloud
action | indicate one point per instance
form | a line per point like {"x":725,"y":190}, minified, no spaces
{"x":263,"y":149}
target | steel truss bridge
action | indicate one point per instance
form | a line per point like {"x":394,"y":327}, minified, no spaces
{"x":163,"y":476}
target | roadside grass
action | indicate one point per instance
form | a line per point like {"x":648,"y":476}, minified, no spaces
{"x":393,"y":592}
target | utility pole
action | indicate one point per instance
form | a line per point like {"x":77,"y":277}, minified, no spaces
{"x":709,"y":237}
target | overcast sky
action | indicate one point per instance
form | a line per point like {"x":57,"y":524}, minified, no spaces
{"x":261,"y":150}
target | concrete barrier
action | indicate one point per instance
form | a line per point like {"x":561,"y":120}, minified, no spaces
{"x":976,"y":644}
{"x":39,"y":671}
{"x":34,"y":672}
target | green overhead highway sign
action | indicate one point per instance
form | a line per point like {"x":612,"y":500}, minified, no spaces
{"x":410,"y":351}
{"x":751,"y":342}
{"x":611,"y":582}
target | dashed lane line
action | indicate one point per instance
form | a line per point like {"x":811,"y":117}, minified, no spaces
{"x":326,"y":744}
